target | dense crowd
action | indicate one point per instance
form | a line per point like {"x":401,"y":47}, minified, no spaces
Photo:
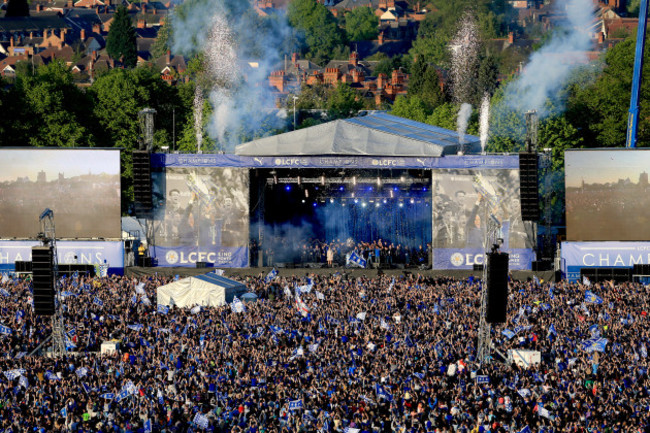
{"x":334,"y":253}
{"x":328,"y":354}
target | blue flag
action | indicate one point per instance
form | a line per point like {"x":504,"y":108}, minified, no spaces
{"x":551,"y":329}
{"x":295,"y":405}
{"x":5,"y":330}
{"x":357,"y":260}
{"x":163,"y":309}
{"x":107,"y":396}
{"x":64,"y":412}
{"x":98,"y":302}
{"x":595,"y":344}
{"x":482,"y":379}
{"x":591,"y":297}
{"x":147,"y":426}
{"x":271,"y":276}
{"x":525,"y":430}
{"x":508,"y":333}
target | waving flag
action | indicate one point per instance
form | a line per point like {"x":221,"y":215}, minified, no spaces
{"x":591,"y":297}
{"x":237,"y":306}
{"x":357,"y":260}
{"x":525,"y":430}
{"x":81,"y":371}
{"x":107,"y":396}
{"x":98,"y":302}
{"x":12,"y":374}
{"x":5,"y":293}
{"x":302,"y":307}
{"x":5,"y":278}
{"x":146,"y":300}
{"x":551,"y":329}
{"x":271,"y":275}
{"x":320,"y":296}
{"x":163,"y":309}
{"x":196,"y":310}
{"x":595,"y":344}
{"x":586,"y":281}
{"x":508,"y":333}
{"x":139,"y":289}
{"x":361,"y":316}
{"x":5,"y":330}
{"x":296,"y":405}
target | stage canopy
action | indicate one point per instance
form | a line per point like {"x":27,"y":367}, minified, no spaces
{"x":205,"y":290}
{"x":378,"y":134}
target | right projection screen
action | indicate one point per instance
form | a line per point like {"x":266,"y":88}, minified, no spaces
{"x":607,"y":195}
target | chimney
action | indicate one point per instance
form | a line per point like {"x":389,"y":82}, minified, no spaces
{"x":97,"y":28}
{"x":11,"y":40}
{"x":601,"y":37}
{"x":294,"y":58}
{"x":154,"y":11}
{"x":45,"y":32}
{"x":381,"y":38}
{"x":70,"y":4}
{"x":354,"y":58}
{"x":94,"y":56}
{"x":31,"y":35}
{"x":381,"y":78}
{"x":83,"y":35}
{"x":39,"y":7}
{"x":141,"y":24}
{"x":168,"y":58}
{"x":511,"y":38}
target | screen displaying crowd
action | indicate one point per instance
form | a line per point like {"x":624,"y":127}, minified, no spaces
{"x":607,"y":195}
{"x":82,"y":187}
{"x":328,"y":354}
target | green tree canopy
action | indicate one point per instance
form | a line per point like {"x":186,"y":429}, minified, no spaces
{"x":343,"y":102}
{"x":321,"y":31}
{"x":411,"y":107}
{"x":361,"y":24}
{"x":121,"y":40}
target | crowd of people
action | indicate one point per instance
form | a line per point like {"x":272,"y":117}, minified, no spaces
{"x":335,"y":253}
{"x":328,"y":354}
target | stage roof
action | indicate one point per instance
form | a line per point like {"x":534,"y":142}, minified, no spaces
{"x":377,"y":134}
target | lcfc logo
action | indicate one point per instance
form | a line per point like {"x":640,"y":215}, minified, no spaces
{"x":457,"y":259}
{"x":171,"y":257}
{"x":68,"y":258}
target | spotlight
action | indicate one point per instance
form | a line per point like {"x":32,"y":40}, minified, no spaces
{"x":377,"y":204}
{"x":322,"y":180}
{"x":412,"y":201}
{"x":306,"y":193}
{"x":303,"y":201}
{"x":315,"y":204}
{"x":331,"y":200}
{"x":352,"y":195}
{"x":369,"y":189}
{"x":402,"y":179}
{"x":356,"y":200}
{"x":354,"y":180}
{"x":391,"y":194}
{"x":363,"y":204}
{"x":288,"y":187}
{"x":424,"y":189}
{"x":275,"y":180}
{"x":341,"y":188}
{"x":385,"y":201}
{"x":378,"y":181}
{"x":299,"y":180}
{"x":401,"y":204}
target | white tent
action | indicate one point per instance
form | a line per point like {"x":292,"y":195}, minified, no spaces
{"x":207,"y":290}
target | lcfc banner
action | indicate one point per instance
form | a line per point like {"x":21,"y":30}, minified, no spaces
{"x":222,"y":257}
{"x":68,"y":252}
{"x":576,"y":255}
{"x":450,"y":258}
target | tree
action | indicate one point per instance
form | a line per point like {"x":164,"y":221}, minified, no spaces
{"x":17,"y":8}
{"x":361,"y":24}
{"x":163,"y":40}
{"x":321,"y":31}
{"x":121,"y":40}
{"x":411,"y":107}
{"x":344,"y":102}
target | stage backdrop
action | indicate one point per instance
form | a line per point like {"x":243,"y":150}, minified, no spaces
{"x":607,"y":195}
{"x":577,"y":255}
{"x":81,"y":186}
{"x":461,"y":198}
{"x":201,"y":215}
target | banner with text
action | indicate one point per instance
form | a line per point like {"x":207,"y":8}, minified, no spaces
{"x":464,"y":200}
{"x":576,"y":255}
{"x":221,"y":257}
{"x":68,"y":252}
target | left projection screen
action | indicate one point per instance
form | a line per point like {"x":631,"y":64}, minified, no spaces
{"x":81,"y":186}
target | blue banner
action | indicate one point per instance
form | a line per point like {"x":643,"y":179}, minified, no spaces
{"x":221,"y":257}
{"x":447,"y":162}
{"x":466,"y":258}
{"x":86,"y":252}
{"x":577,"y":255}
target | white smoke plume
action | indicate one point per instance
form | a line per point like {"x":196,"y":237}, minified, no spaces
{"x":548,"y":69}
{"x":484,"y":120}
{"x":241,"y":50}
{"x":464,"y":114}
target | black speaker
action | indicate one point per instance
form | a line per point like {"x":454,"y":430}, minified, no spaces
{"x":477,"y":267}
{"x":638,"y":269}
{"x":528,"y":190}
{"x":203,"y":265}
{"x":43,"y":280}
{"x":82,"y":269}
{"x":23,"y":266}
{"x":142,"y":180}
{"x":497,"y":287}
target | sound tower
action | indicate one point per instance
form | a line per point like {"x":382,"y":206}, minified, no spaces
{"x":142,"y":180}
{"x":43,"y":280}
{"x":528,"y":191}
{"x":497,"y":287}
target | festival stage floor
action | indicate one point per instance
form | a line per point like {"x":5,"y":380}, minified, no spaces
{"x":352,"y":272}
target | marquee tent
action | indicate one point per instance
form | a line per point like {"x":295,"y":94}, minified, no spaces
{"x":206,"y":290}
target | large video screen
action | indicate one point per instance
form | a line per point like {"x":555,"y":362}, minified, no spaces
{"x":81,"y":186}
{"x":464,"y":200}
{"x":201,"y":214}
{"x":607,"y":195}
